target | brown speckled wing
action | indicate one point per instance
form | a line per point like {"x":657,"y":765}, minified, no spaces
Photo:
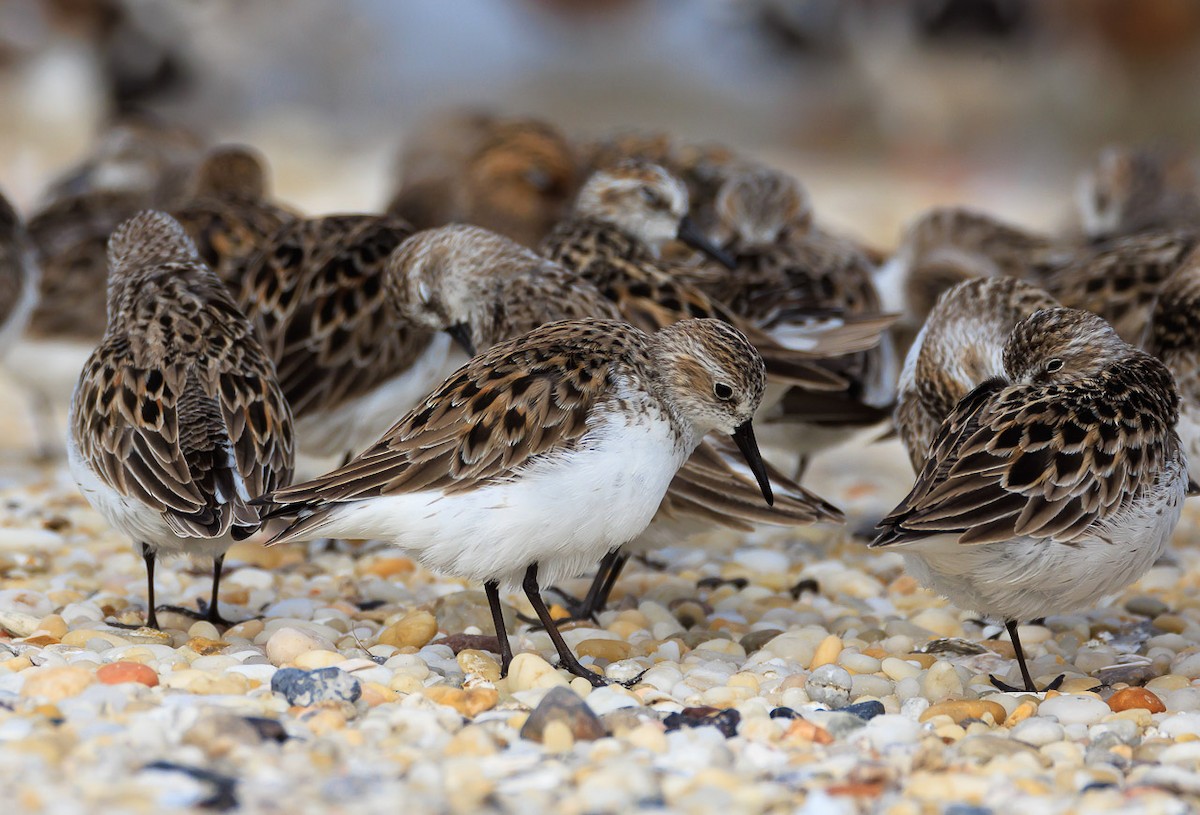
{"x":518,"y":401}
{"x":1119,"y":279}
{"x":169,"y":425}
{"x":651,"y":298}
{"x":1039,"y":461}
{"x":70,"y":236}
{"x":708,"y":487}
{"x":316,"y":294}
{"x":227,"y":232}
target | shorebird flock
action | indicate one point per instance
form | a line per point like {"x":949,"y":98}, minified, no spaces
{"x":549,"y":355}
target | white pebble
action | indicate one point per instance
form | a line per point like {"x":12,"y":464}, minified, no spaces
{"x":1038,"y":731}
{"x":1074,"y":709}
{"x":830,"y":685}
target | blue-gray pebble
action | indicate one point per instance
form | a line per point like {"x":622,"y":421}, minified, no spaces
{"x":303,"y":688}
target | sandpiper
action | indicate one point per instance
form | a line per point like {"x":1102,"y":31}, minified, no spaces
{"x":177,"y":420}
{"x":541,"y":455}
{"x":1052,"y":485}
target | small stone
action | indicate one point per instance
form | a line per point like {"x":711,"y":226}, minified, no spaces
{"x":829,"y":685}
{"x":784,"y":713}
{"x":320,"y":658}
{"x":413,"y":630}
{"x":469,"y":609}
{"x":1134,"y":674}
{"x":960,"y":710}
{"x":942,"y":682}
{"x":805,"y":731}
{"x":827,"y":652}
{"x":865,"y":710}
{"x":557,"y":737}
{"x":1074,"y":709}
{"x":1146,"y":606}
{"x":305,"y":688}
{"x":607,"y":649}
{"x":898,"y":669}
{"x":56,"y":684}
{"x":757,"y":639}
{"x":1038,"y":731}
{"x":116,"y":673}
{"x":726,"y":721}
{"x":837,"y":722}
{"x":563,"y":706}
{"x":205,"y":646}
{"x":470,"y":702}
{"x":287,"y":643}
{"x":1129,"y":698}
{"x":528,"y":671}
{"x":477,"y":663}
{"x":204,"y":629}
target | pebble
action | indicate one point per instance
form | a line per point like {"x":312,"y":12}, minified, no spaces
{"x":1074,"y":709}
{"x":286,"y":643}
{"x":469,"y":702}
{"x":528,"y":671}
{"x":413,"y":630}
{"x":304,"y":688}
{"x":942,"y":682}
{"x":116,"y":673}
{"x":960,"y":710}
{"x":829,"y":685}
{"x":56,"y":684}
{"x":1038,"y":731}
{"x":1129,"y":698}
{"x":725,"y":721}
{"x":563,"y":711}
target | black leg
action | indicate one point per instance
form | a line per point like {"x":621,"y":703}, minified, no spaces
{"x":492,"y":590}
{"x":567,"y":658}
{"x":148,"y":559}
{"x":1011,"y":625}
{"x":602,"y":586}
{"x":213,"y":615}
{"x":801,"y":467}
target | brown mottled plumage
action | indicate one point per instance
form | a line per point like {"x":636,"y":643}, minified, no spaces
{"x":794,"y":278}
{"x":1117,"y":278}
{"x":622,"y":218}
{"x":316,"y":293}
{"x":1049,"y":486}
{"x":960,"y":347}
{"x":514,"y":176}
{"x":1130,"y":190}
{"x":228,"y":214}
{"x":544,"y":452}
{"x":480,"y":284}
{"x":177,"y":421}
{"x":1173,"y":336}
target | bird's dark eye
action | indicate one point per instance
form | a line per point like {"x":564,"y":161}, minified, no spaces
{"x":651,"y":197}
{"x":723,"y":391}
{"x":1054,"y":365}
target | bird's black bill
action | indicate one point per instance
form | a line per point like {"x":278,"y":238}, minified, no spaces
{"x":461,"y":334}
{"x":690,"y":234}
{"x":744,"y":438}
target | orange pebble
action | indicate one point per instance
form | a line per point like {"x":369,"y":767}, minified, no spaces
{"x":116,"y":673}
{"x":803,"y":730}
{"x":1132,"y":698}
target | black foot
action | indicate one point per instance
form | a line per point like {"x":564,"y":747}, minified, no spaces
{"x":577,"y":611}
{"x":1001,"y":685}
{"x":203,"y":612}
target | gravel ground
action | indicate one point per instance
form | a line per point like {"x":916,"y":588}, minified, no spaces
{"x":778,"y":673}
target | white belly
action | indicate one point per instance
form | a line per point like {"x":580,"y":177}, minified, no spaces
{"x":353,"y":425}
{"x":1025,"y":579}
{"x":131,"y":517}
{"x":563,"y":514}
